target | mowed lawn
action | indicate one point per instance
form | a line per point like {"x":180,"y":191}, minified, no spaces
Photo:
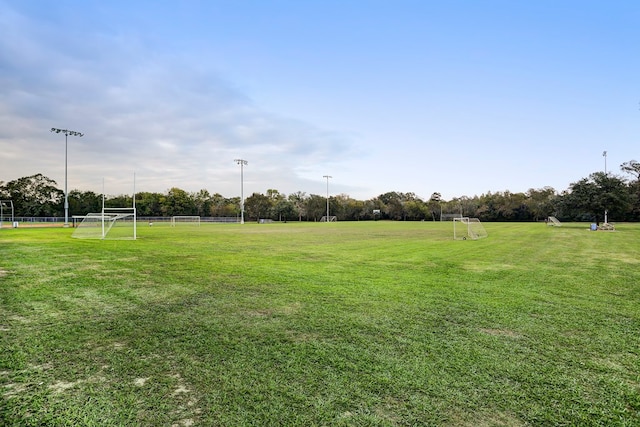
{"x":316,"y":324}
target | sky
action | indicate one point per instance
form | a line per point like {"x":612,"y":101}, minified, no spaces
{"x":458,"y":97}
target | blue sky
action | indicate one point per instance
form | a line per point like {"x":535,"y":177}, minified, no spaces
{"x":457,"y":97}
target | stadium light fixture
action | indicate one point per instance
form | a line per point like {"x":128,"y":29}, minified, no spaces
{"x":604,"y":154}
{"x":66,"y":132}
{"x":327,"y":177}
{"x":242,"y":163}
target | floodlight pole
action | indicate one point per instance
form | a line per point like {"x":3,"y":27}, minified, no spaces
{"x":241,"y":162}
{"x":327,"y":176}
{"x":604,"y":154}
{"x":66,"y":132}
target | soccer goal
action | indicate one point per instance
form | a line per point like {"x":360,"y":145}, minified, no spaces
{"x":185,"y":220}
{"x":331,"y":218}
{"x":110,"y":224}
{"x":468,"y":228}
{"x":552,"y":220}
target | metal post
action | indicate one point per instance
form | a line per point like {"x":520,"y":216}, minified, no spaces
{"x":327,"y":176}
{"x":241,"y":162}
{"x":66,"y":132}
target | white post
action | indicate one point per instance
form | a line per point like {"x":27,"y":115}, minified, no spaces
{"x":327,"y":176}
{"x":241,"y":162}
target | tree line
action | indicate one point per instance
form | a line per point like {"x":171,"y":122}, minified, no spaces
{"x":585,"y":200}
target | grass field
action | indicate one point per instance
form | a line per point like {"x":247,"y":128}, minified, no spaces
{"x":339,"y":324}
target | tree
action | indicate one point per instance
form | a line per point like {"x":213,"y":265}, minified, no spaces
{"x":149,"y":204}
{"x":82,"y":203}
{"x":316,"y":207}
{"x":35,"y":195}
{"x":202,"y":202}
{"x":298,"y":199}
{"x":541,"y":202}
{"x":257,"y":206}
{"x":590,"y":197}
{"x":433,"y":206}
{"x":632,"y":167}
{"x":178,"y":202}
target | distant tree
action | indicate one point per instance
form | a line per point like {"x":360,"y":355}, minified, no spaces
{"x":202,"y":202}
{"x":316,"y":207}
{"x":284,"y":210}
{"x":82,"y":203}
{"x":589,"y":198}
{"x":257,"y":206}
{"x":35,"y":195}
{"x":434,"y":205}
{"x":632,"y":167}
{"x":542,"y":202}
{"x":149,"y":204}
{"x":178,"y":202}
{"x":298,"y":199}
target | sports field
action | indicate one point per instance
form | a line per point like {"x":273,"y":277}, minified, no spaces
{"x":322,"y":324}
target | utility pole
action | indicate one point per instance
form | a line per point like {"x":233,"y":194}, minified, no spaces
{"x":327,"y":176}
{"x":66,"y":193}
{"x":242,"y":163}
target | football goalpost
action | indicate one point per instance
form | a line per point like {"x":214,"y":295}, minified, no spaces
{"x":110,"y":224}
{"x":468,"y":228}
{"x":5,"y":207}
{"x":552,"y":220}
{"x":331,"y":218}
{"x":185,"y":220}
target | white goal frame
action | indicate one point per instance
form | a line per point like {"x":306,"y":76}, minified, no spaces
{"x":98,"y":225}
{"x":552,"y":220}
{"x":6,"y":204}
{"x":185,"y":220}
{"x":331,"y":218}
{"x":468,"y":228}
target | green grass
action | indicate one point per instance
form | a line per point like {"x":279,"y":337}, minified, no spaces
{"x":345,"y":324}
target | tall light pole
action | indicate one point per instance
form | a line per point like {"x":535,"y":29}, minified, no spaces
{"x":66,"y":132}
{"x":241,"y":162}
{"x":327,"y":176}
{"x":604,"y":154}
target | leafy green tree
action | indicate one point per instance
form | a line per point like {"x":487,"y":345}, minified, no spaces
{"x":632,"y":167}
{"x":589,"y":198}
{"x":82,"y":203}
{"x":257,"y":206}
{"x":542,"y":202}
{"x":202,"y":202}
{"x":177,"y":202}
{"x":284,"y":210}
{"x":35,"y":195}
{"x":316,"y":207}
{"x":299,"y":201}
{"x":149,"y":204}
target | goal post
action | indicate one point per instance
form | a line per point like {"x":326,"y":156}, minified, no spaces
{"x":6,"y":211}
{"x":552,"y":220}
{"x":110,"y":224}
{"x":468,"y":228}
{"x":185,"y":220}
{"x":331,"y":218}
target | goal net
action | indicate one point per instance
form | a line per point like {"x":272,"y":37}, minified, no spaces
{"x":468,"y":228}
{"x":552,"y":220}
{"x":185,"y":220}
{"x":111,"y":224}
{"x":329,"y":219}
